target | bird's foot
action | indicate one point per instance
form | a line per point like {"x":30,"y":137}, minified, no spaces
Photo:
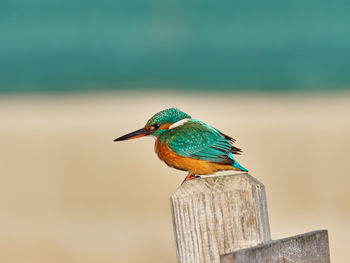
{"x":190,"y":177}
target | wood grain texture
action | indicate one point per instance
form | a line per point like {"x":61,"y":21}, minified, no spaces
{"x":217,"y":215}
{"x":306,"y":248}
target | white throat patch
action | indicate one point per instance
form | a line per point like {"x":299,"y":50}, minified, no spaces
{"x":178,"y":123}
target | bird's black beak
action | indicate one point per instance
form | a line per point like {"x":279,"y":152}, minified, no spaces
{"x":133,"y":135}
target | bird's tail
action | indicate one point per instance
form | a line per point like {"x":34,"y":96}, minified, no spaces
{"x":236,"y":164}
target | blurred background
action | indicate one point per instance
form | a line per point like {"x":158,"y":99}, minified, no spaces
{"x":74,"y":75}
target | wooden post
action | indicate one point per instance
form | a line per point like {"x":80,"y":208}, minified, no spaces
{"x":217,"y":215}
{"x":306,"y":248}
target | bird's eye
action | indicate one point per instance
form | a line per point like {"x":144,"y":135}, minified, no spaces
{"x":155,"y":127}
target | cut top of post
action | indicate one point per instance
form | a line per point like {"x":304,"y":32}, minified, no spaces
{"x":218,"y":184}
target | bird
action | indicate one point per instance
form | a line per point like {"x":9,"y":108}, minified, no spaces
{"x":188,"y":144}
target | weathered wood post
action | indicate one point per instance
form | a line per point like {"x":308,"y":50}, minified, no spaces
{"x":224,"y":219}
{"x":217,"y":215}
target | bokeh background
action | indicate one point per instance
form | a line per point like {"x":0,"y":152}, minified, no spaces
{"x":74,"y":75}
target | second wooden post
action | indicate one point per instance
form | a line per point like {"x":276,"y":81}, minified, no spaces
{"x":217,"y":215}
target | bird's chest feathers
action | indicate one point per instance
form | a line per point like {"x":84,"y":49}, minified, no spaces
{"x":173,"y":159}
{"x":167,"y":155}
{"x":161,"y":148}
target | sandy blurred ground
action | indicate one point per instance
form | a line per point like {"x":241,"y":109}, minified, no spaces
{"x":68,"y":193}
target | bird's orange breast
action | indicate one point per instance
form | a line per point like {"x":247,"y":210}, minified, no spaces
{"x":194,"y":166}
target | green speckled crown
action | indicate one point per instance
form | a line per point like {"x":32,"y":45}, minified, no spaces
{"x":167,"y":116}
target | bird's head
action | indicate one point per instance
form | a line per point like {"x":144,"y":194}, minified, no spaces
{"x":158,"y":124}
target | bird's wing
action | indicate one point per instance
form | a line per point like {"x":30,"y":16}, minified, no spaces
{"x":198,"y":140}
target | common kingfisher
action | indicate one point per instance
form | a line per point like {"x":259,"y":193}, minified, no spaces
{"x":188,"y":144}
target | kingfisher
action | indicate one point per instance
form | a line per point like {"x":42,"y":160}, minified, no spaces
{"x":188,"y":144}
